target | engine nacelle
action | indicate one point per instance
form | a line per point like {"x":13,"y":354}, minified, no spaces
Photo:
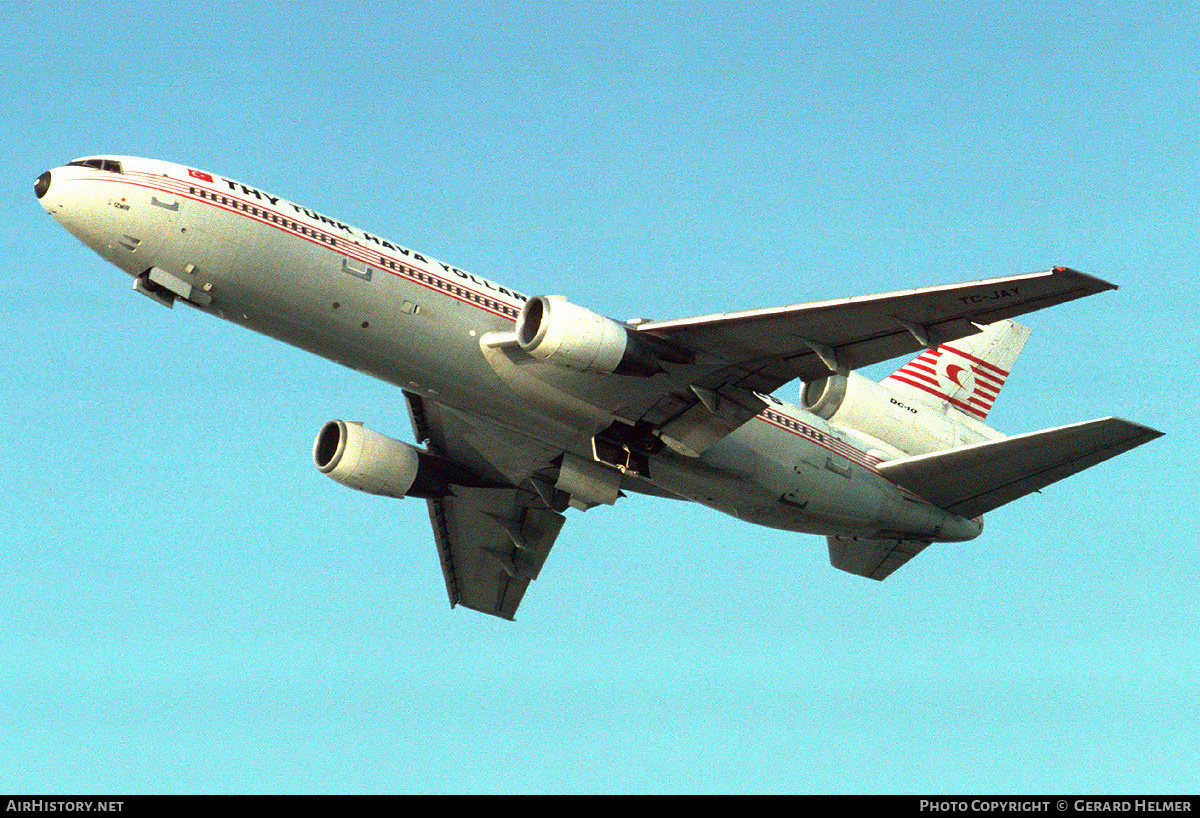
{"x":898,"y":421}
{"x":553,"y":329}
{"x":357,"y":457}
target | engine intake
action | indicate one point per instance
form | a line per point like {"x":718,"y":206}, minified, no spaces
{"x":553,"y":329}
{"x":362,"y":459}
{"x":825,"y":396}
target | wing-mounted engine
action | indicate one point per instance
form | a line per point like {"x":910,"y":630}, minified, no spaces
{"x":902,"y":424}
{"x":580,"y":368}
{"x":365,"y":460}
{"x":635,"y":393}
{"x":552,"y":329}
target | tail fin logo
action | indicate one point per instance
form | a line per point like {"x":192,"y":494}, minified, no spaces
{"x":956,"y":374}
{"x":967,"y":374}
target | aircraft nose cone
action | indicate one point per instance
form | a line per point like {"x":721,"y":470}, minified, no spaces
{"x":42,"y":184}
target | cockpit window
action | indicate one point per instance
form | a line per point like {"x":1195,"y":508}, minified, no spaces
{"x":111,"y":165}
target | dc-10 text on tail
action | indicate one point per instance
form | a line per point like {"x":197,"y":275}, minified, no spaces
{"x":526,"y":406}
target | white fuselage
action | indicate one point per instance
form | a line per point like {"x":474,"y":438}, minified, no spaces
{"x":253,"y":258}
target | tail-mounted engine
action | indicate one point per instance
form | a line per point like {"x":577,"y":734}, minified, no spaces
{"x":898,"y":421}
{"x":357,"y":457}
{"x":553,"y":329}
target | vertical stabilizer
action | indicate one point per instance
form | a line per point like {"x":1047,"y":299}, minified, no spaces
{"x":965,"y":375}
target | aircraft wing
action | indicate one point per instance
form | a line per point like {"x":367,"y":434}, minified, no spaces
{"x":491,"y":542}
{"x":740,"y":353}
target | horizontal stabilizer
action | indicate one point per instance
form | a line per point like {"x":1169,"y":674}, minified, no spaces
{"x":975,"y":479}
{"x":875,"y":559}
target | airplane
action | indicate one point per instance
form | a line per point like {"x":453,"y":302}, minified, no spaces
{"x":526,"y":406}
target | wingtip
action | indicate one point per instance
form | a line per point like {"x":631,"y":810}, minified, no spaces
{"x":1139,"y":432}
{"x":1149,"y":431}
{"x":1098,"y":284}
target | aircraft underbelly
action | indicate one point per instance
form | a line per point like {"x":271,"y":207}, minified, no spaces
{"x":306,"y":299}
{"x":427,"y":342}
{"x":796,"y":484}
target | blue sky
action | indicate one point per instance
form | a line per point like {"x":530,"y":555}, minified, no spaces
{"x":187,"y":605}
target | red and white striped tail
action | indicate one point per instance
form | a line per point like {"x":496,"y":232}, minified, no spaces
{"x":966,"y":374}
